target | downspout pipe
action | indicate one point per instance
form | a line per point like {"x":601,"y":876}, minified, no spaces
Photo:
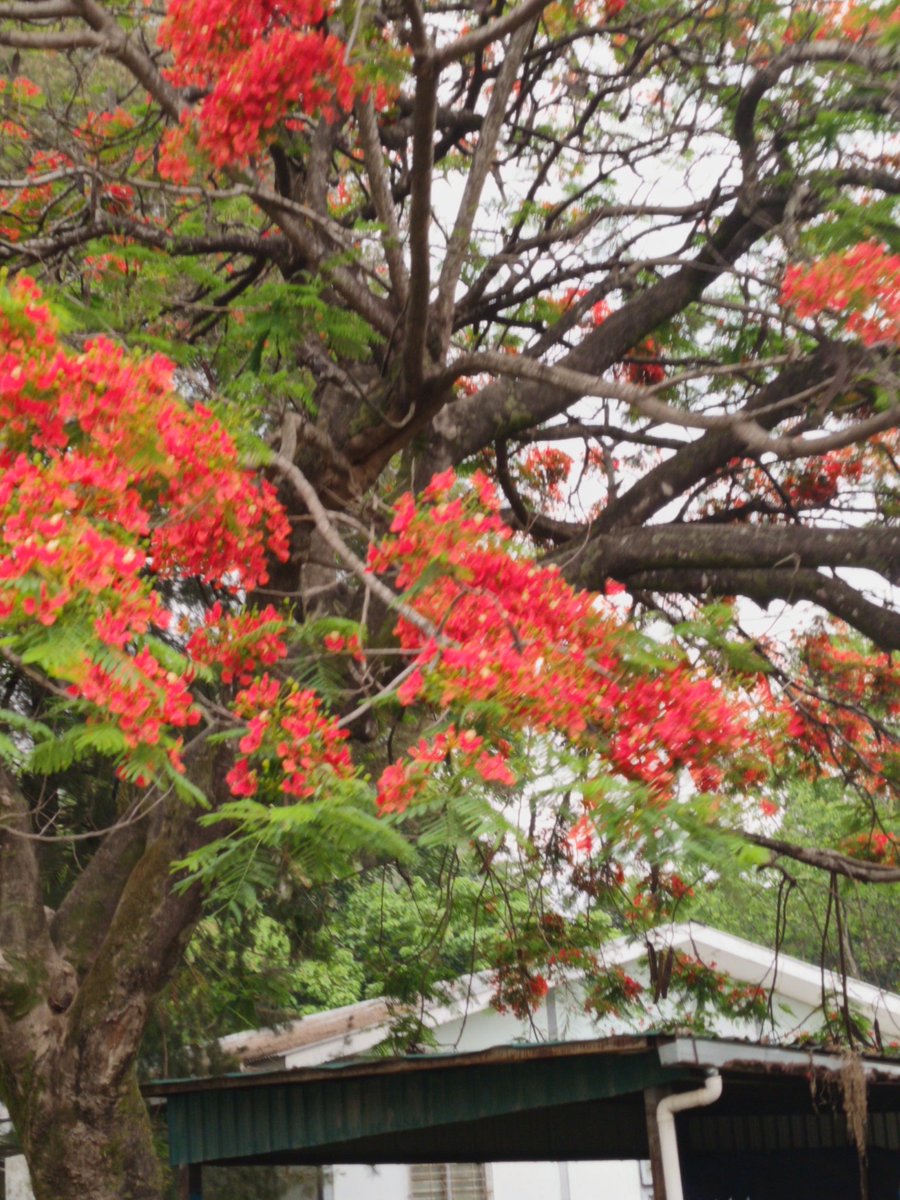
{"x":665,"y":1124}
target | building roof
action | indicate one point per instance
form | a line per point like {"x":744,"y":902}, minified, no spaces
{"x":357,"y":1028}
{"x":573,"y":1100}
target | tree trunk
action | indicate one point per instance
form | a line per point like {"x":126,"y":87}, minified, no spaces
{"x":77,"y":988}
{"x":83,"y":1143}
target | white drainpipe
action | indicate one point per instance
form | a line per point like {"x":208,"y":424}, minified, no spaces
{"x":665,"y":1124}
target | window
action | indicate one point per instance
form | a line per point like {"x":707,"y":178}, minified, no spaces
{"x":448,"y":1181}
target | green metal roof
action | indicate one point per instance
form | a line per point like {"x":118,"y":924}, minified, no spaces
{"x":492,"y":1103}
{"x":564,"y":1101}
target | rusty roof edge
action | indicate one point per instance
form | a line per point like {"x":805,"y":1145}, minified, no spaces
{"x":748,"y":1056}
{"x":675,"y":1052}
{"x":359,"y":1067}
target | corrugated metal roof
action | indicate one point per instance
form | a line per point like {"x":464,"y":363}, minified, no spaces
{"x":406,"y":1063}
{"x":330,"y":1114}
{"x":564,"y":1100}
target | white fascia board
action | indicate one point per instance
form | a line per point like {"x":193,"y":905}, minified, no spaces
{"x":309,"y":1022}
{"x":700,"y":1052}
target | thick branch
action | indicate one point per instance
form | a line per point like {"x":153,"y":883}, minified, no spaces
{"x":38,"y":10}
{"x":689,"y":546}
{"x":119,"y":45}
{"x":492,"y":32}
{"x":51,"y":40}
{"x":827,"y":860}
{"x":642,"y":399}
{"x":382,"y":198}
{"x":765,"y":585}
{"x":143,"y":943}
{"x":701,"y":458}
{"x":806,"y":52}
{"x":84,"y":916}
{"x":419,"y":226}
{"x":756,"y":438}
{"x":23,"y":927}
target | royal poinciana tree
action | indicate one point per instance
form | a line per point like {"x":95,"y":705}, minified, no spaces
{"x":407,"y":409}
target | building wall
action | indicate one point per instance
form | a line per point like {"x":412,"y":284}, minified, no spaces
{"x":506,"y":1181}
{"x":18,"y":1185}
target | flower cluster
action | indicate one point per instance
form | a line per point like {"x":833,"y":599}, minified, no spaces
{"x":710,"y":988}
{"x":614,"y":993}
{"x":540,"y":952}
{"x":19,"y":89}
{"x":876,"y":847}
{"x":259,"y":60}
{"x":643,"y":367}
{"x":109,"y":482}
{"x":402,"y":782}
{"x":863,"y":283}
{"x":546,"y":469}
{"x":239,"y":644}
{"x":517,"y":635}
{"x":656,"y":898}
{"x":338,"y":643}
{"x":818,"y":480}
{"x":140,"y":694}
{"x":847,"y":19}
{"x":840,"y":687}
{"x":289,"y":739}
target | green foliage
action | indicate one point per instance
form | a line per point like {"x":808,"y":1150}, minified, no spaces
{"x":794,"y":907}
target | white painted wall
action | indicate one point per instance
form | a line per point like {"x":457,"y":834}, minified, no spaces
{"x":18,"y":1185}
{"x":506,"y":1181}
{"x":389,"y":1181}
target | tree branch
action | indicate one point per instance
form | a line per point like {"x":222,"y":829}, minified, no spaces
{"x":826,"y":860}
{"x":382,"y":198}
{"x":117,"y":44}
{"x":336,"y":543}
{"x":416,"y":323}
{"x":502,"y":409}
{"x":693,"y":545}
{"x":84,"y":916}
{"x":840,"y":52}
{"x":458,"y":243}
{"x":492,"y":32}
{"x":52,"y":39}
{"x":141,"y":946}
{"x":698,"y":460}
{"x":765,"y":585}
{"x":23,"y":926}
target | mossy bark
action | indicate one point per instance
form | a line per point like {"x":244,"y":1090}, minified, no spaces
{"x":77,"y":989}
{"x":83,"y":1143}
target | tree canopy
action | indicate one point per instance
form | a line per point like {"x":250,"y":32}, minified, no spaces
{"x":463,"y":437}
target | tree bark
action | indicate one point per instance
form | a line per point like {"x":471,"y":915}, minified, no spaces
{"x":82,"y":1141}
{"x":77,"y":990}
